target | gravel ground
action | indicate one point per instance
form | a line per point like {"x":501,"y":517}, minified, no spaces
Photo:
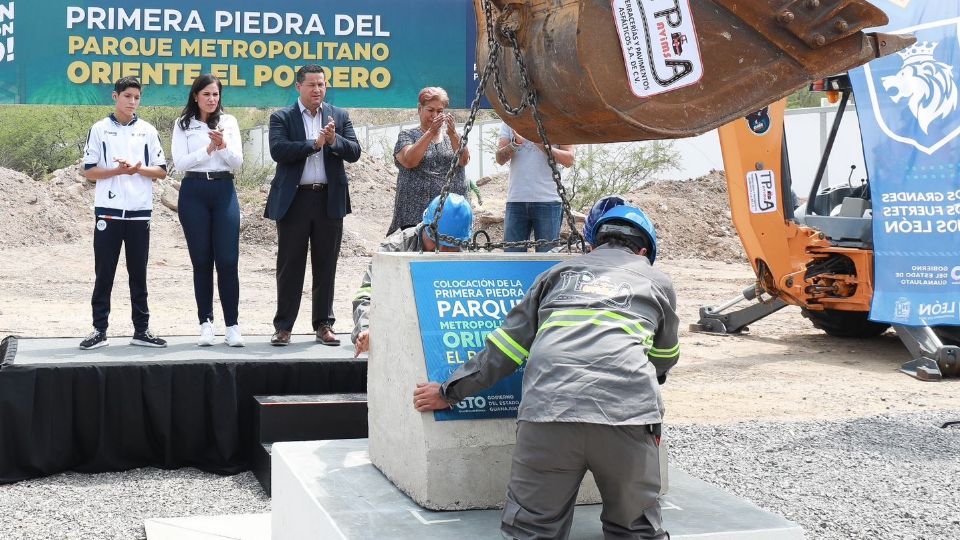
{"x":114,"y":505}
{"x":885,"y":477}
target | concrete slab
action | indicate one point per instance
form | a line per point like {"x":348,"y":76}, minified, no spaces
{"x":233,"y":527}
{"x":330,"y":490}
{"x":53,"y":351}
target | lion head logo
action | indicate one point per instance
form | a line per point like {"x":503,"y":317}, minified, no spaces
{"x":927,"y":84}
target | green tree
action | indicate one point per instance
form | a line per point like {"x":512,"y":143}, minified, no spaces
{"x":39,"y":139}
{"x":616,"y":168}
{"x":804,"y":98}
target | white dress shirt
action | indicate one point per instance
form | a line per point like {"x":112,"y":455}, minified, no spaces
{"x":313,"y":171}
{"x":189,"y":146}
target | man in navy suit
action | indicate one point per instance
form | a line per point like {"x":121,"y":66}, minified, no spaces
{"x":309,"y":196}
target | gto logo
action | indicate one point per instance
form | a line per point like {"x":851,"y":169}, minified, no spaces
{"x":472,"y":402}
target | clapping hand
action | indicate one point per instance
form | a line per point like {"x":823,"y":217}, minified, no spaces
{"x":451,"y":124}
{"x":330,"y":133}
{"x":124,"y":166}
{"x":216,"y":141}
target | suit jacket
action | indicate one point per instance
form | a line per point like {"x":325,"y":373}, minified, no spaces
{"x":289,"y":147}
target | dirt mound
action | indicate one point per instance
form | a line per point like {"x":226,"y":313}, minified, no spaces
{"x":59,"y":210}
{"x":692,"y":217}
{"x":41,"y":213}
{"x":372,"y":189}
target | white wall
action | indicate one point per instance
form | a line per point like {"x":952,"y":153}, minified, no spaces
{"x":807,"y":131}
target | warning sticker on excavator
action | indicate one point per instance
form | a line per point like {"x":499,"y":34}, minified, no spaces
{"x":659,"y":43}
{"x":762,"y":191}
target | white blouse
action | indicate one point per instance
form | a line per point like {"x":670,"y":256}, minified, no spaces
{"x":189,"y":146}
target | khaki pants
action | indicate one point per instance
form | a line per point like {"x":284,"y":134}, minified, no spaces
{"x":549,"y":462}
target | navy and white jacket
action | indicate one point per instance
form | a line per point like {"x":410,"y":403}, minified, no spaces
{"x":136,"y":141}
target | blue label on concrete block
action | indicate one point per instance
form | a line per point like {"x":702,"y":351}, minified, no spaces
{"x":459,"y":303}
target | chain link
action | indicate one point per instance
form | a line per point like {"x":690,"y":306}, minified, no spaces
{"x":529,"y":99}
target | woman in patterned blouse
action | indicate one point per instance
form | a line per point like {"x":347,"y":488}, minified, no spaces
{"x":423,"y":155}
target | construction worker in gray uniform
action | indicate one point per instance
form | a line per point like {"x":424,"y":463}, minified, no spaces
{"x":597,"y":334}
{"x":456,"y":221}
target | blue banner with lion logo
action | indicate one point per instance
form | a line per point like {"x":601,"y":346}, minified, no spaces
{"x":909,"y":109}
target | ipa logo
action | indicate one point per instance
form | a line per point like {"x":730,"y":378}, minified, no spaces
{"x":6,"y":32}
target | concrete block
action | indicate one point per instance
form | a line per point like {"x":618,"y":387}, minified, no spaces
{"x":452,"y":465}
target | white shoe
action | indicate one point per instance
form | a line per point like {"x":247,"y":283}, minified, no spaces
{"x":233,"y":337}
{"x":206,"y":334}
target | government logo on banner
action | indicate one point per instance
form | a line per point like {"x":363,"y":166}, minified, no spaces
{"x":924,"y":85}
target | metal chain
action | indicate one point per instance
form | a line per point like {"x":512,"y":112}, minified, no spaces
{"x":534,"y":101}
{"x":529,"y":98}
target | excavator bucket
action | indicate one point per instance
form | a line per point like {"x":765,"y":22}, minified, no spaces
{"x":628,"y":70}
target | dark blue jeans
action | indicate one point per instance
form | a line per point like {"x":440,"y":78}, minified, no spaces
{"x":543,"y":218}
{"x":210,"y":215}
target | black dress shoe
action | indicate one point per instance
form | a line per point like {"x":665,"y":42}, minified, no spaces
{"x":280,"y":338}
{"x":326,"y":336}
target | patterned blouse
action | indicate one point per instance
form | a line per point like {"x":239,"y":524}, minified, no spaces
{"x":418,"y":186}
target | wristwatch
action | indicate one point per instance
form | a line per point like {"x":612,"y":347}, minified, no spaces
{"x":513,"y":145}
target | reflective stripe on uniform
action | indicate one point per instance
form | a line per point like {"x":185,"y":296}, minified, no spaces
{"x":598,"y":317}
{"x":665,"y":353}
{"x":508,"y":346}
{"x":363,"y":292}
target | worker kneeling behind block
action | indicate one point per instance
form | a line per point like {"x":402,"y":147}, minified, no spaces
{"x":598,"y":333}
{"x":456,"y":221}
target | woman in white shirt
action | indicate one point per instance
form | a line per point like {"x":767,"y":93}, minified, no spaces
{"x":207,"y":148}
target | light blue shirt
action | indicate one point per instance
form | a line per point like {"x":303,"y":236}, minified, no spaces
{"x":313,"y":171}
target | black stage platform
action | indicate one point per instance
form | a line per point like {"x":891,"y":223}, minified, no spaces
{"x":122,"y":407}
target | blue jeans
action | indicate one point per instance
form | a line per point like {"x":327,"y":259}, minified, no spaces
{"x":541,"y":217}
{"x":210,"y":215}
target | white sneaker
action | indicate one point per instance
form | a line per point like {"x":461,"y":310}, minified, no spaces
{"x":233,"y":337}
{"x":206,"y":334}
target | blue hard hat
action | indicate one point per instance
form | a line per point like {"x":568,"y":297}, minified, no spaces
{"x":600,"y":208}
{"x":456,"y":219}
{"x":634,"y":218}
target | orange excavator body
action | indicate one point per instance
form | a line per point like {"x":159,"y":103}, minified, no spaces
{"x":781,"y":250}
